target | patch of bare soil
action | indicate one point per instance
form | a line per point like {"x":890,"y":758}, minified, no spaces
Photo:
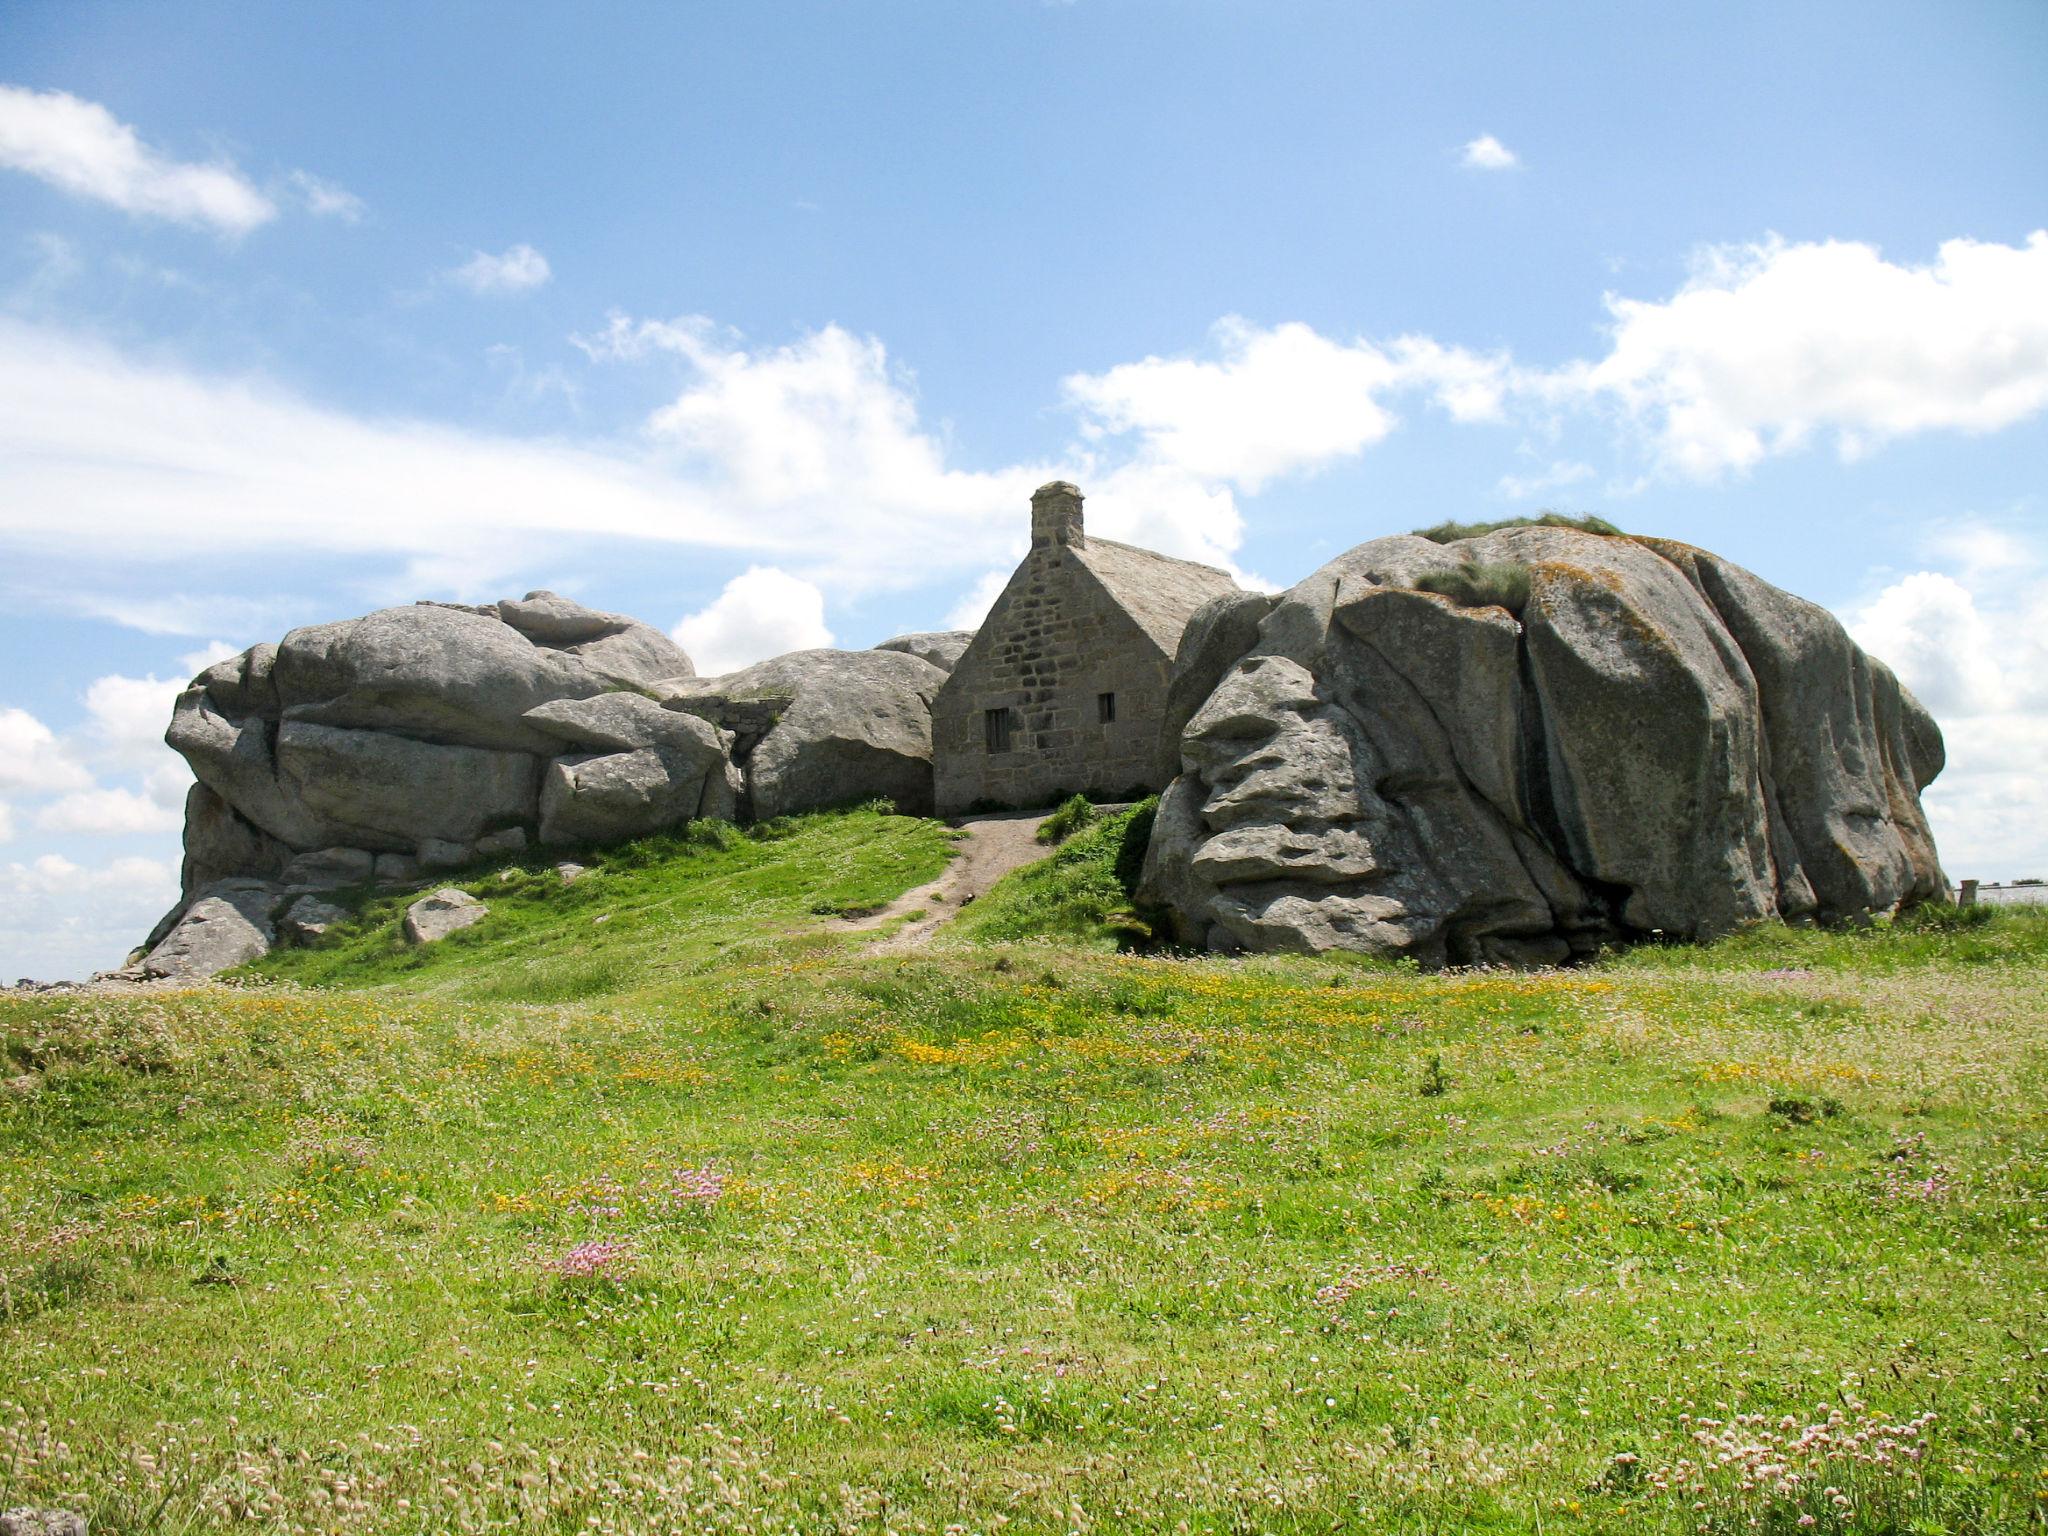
{"x":994,"y":845}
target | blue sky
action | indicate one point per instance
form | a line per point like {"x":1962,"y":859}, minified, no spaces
{"x":761,"y":320}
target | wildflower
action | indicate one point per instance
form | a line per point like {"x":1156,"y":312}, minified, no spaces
{"x":600,"y":1256}
{"x":692,"y":1186}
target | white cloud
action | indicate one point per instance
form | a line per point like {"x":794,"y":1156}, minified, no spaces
{"x":976,"y":601}
{"x":101,"y":454}
{"x":1486,"y":153}
{"x":60,"y":918}
{"x":1768,"y":347}
{"x":1561,"y":473}
{"x":171,"y":613}
{"x":33,"y":760}
{"x":514,"y":271}
{"x":1975,"y":652}
{"x":82,"y":148}
{"x":126,"y":717}
{"x":107,"y":813}
{"x":1276,"y":401}
{"x":6,"y":822}
{"x":196,"y":662}
{"x":325,"y":200}
{"x":1272,"y":402}
{"x":762,"y":612}
{"x":1927,"y":628}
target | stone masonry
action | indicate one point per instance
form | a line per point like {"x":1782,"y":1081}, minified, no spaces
{"x":1063,"y":689}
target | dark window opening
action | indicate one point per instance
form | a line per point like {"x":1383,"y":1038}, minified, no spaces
{"x":1105,"y":709}
{"x":997,"y":725}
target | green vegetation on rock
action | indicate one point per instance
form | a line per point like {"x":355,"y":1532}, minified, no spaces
{"x":761,"y":1232}
{"x":1482,"y":584}
{"x":1449,"y":532}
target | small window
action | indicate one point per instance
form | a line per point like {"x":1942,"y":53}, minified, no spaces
{"x":1105,"y":709}
{"x":996,"y":727}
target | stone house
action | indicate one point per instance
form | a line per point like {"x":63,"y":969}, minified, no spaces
{"x":1063,"y":688}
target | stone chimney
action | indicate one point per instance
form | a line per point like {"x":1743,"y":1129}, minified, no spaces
{"x":1056,"y":515}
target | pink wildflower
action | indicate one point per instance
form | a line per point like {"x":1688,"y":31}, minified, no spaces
{"x":598,"y":1257}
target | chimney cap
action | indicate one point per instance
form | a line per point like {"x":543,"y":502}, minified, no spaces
{"x":1056,"y":488}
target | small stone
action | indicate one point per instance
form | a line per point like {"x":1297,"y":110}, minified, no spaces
{"x":435,"y":916}
{"x":570,"y":871}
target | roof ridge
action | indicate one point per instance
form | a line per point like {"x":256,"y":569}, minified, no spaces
{"x":1094,"y":541}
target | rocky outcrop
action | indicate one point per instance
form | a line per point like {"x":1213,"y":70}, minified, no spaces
{"x":228,"y":925}
{"x":427,"y":737}
{"x":819,"y":728}
{"x":642,"y":767}
{"x":1519,"y":747}
{"x":941,"y":647}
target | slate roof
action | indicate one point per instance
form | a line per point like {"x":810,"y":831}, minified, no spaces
{"x":1159,"y":592}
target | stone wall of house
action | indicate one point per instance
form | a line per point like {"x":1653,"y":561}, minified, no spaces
{"x":1051,"y":647}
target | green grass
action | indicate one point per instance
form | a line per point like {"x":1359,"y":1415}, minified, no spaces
{"x":1449,"y":532}
{"x":643,"y":912}
{"x":1081,"y":894}
{"x":1074,"y":813}
{"x":1023,"y":1237}
{"x":1482,"y":584}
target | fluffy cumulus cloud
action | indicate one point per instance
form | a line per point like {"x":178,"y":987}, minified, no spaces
{"x":1972,"y":644}
{"x":108,"y":813}
{"x":81,"y":148}
{"x":516,"y":270}
{"x":762,"y":612}
{"x":1274,"y":401}
{"x":121,"y":737}
{"x":33,"y":761}
{"x":127,"y":715}
{"x":1769,"y":347}
{"x":1486,"y":153}
{"x":61,"y":918}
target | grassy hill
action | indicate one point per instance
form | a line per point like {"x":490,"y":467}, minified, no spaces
{"x":700,"y":1218}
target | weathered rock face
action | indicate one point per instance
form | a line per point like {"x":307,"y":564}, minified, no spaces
{"x":422,"y":737}
{"x":229,"y":925}
{"x":818,"y":728}
{"x":942,"y":647}
{"x":1653,"y":740}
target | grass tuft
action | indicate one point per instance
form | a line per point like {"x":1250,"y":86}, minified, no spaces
{"x":1449,"y":532}
{"x":1482,"y":584}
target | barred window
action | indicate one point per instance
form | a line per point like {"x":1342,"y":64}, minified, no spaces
{"x":997,"y":724}
{"x":1105,"y":709}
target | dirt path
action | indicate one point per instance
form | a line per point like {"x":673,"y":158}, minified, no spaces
{"x":994,"y":846}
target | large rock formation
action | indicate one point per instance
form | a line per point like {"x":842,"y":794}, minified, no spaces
{"x":818,"y":728}
{"x":1519,"y":747}
{"x":421,"y":738}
